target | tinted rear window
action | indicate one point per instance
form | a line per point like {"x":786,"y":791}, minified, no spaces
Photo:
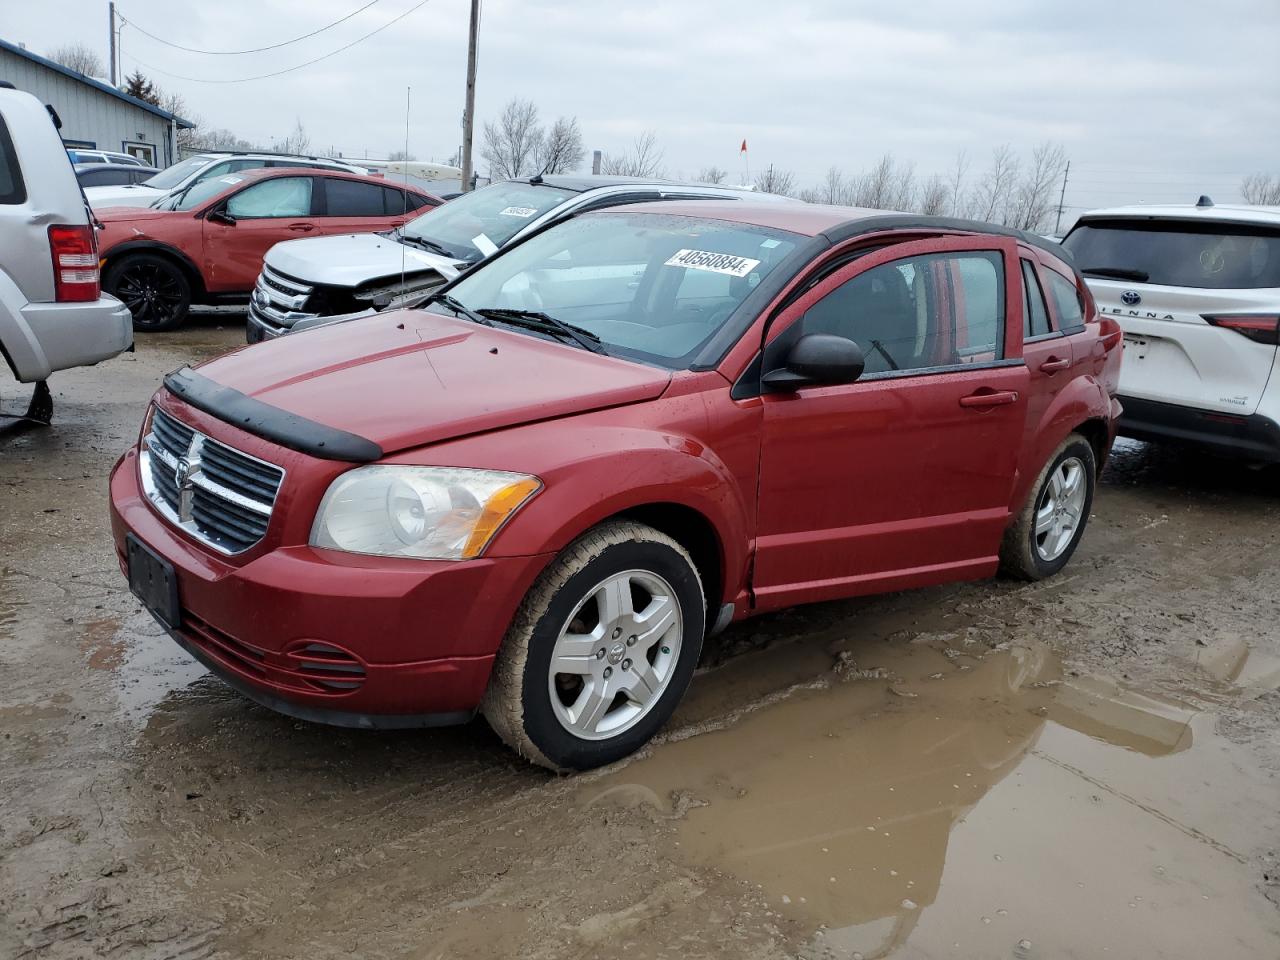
{"x":12,"y":189}
{"x":1178,"y":253}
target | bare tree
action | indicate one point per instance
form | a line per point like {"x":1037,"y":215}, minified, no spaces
{"x":79,"y":57}
{"x":216,"y":139}
{"x":959,"y":202}
{"x":995,"y":192}
{"x":644,"y":159}
{"x":297,"y":141}
{"x":886,"y":186}
{"x":773,"y":180}
{"x":560,"y":149}
{"x":935,"y":197}
{"x":1032,"y":201}
{"x":1261,"y":188}
{"x":512,"y":144}
{"x":712,"y":174}
{"x":400,"y":155}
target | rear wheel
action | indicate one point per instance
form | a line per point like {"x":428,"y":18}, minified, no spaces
{"x":601,"y":649}
{"x":154,"y":288}
{"x":1048,"y":530}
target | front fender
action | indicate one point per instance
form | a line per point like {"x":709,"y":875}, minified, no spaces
{"x":144,"y":244}
{"x":610,"y":469}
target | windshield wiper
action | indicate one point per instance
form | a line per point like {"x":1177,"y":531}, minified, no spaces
{"x":545,"y":323}
{"x":429,"y":245}
{"x":1118,"y":273}
{"x":458,"y":307}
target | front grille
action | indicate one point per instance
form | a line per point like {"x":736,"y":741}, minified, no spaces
{"x":219,"y":495}
{"x":279,"y":301}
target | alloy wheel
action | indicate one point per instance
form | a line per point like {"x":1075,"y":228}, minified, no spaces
{"x":615,"y":655}
{"x":1061,"y":509}
{"x":153,"y":294}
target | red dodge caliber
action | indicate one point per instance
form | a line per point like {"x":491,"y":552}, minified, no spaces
{"x":537,"y":495}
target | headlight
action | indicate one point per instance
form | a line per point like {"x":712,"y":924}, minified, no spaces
{"x":432,"y":513}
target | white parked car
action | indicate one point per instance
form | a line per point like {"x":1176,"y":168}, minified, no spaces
{"x":200,"y":167}
{"x":306,"y":282}
{"x":53,"y":314}
{"x":1196,"y":289}
{"x":79,"y":155}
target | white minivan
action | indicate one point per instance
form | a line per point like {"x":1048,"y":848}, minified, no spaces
{"x":1196,"y":289}
{"x":53,"y":313}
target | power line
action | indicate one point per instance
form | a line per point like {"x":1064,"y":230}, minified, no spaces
{"x":264,"y":76}
{"x":232,"y":53}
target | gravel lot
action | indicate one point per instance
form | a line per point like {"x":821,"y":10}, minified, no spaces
{"x":1084,"y":767}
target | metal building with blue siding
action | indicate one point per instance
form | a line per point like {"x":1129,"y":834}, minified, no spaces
{"x":94,"y":114}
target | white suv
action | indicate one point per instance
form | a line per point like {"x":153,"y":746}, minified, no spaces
{"x":53,"y":314}
{"x":202,"y":166}
{"x":1196,"y":290}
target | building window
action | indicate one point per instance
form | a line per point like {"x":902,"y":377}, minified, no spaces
{"x":146,"y":152}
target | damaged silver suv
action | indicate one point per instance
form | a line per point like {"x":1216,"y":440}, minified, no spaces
{"x":305,"y":282}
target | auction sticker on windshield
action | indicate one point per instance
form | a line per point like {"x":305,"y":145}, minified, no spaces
{"x":714,"y":262}
{"x":523,"y":212}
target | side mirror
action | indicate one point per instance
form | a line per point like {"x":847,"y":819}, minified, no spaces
{"x":818,"y":359}
{"x":221,"y":216}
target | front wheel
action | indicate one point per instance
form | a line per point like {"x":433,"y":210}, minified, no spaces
{"x":1048,"y":530}
{"x":154,"y":288}
{"x":601,"y":649}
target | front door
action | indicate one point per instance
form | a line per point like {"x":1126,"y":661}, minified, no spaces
{"x":903,"y":478}
{"x":261,"y":216}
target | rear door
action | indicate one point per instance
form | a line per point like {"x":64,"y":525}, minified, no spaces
{"x":264,"y":214}
{"x":1168,"y":275}
{"x":354,"y":206}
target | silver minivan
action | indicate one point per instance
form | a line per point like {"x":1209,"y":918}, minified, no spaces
{"x":53,"y":313}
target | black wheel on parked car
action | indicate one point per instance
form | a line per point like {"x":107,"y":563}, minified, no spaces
{"x":154,"y":288}
{"x":1046,"y":533}
{"x":601,"y":649}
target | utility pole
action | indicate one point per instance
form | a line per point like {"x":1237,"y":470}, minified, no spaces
{"x":1057,"y":227}
{"x":111,"y":12}
{"x":469,"y":117}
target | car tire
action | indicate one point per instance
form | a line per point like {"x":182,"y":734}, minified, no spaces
{"x":628,"y":661}
{"x":154,"y":288}
{"x":1048,"y":529}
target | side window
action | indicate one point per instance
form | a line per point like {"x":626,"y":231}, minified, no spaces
{"x":1066,"y":298}
{"x":350,"y":198}
{"x":238,"y":165}
{"x":1035,"y":317}
{"x":12,"y":189}
{"x":935,"y":310}
{"x":286,"y":197}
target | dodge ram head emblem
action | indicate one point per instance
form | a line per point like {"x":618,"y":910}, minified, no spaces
{"x":182,"y":473}
{"x":1131,"y":298}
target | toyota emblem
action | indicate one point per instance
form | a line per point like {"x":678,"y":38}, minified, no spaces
{"x":1131,"y":298}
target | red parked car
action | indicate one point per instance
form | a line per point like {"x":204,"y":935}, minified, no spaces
{"x":205,"y":244}
{"x":538,"y":494}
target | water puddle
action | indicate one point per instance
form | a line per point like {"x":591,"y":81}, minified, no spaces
{"x":931,"y":802}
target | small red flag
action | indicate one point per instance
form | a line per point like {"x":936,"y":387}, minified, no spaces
{"x":744,"y":147}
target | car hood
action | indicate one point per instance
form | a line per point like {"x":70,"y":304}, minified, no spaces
{"x":352,"y":259}
{"x":405,"y":378}
{"x":126,"y":195}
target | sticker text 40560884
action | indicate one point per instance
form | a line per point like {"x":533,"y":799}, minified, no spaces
{"x":714,"y":262}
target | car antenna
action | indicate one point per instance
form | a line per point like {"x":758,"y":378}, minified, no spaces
{"x":407,"y":92}
{"x":537,"y":177}
{"x":1204,"y":201}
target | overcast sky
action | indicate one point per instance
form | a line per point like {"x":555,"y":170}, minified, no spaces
{"x":1152,"y":100}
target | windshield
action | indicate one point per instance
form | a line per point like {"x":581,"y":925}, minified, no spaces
{"x":197,"y":193}
{"x":475,"y":225}
{"x":651,"y":287}
{"x":1178,"y":253}
{"x":170,"y":177}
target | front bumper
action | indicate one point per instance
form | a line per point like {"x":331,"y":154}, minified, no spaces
{"x":330,"y":637}
{"x":1255,"y":437}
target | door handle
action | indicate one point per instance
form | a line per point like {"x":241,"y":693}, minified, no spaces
{"x":1054,"y":364}
{"x":302,"y":227}
{"x":991,"y":398}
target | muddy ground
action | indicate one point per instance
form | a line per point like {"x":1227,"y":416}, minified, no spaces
{"x":1086,"y":767}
